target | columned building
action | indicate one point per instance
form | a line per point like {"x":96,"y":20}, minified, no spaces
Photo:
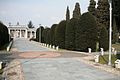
{"x":21,"y":31}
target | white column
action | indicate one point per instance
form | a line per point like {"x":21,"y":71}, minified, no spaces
{"x":26,"y":33}
{"x":20,"y":33}
{"x":9,"y":34}
{"x":8,"y":30}
{"x":31,"y":34}
{"x":15,"y":34}
{"x":35,"y":34}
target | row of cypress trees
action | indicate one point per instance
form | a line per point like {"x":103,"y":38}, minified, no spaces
{"x":4,"y":36}
{"x":78,"y":33}
{"x":101,"y":13}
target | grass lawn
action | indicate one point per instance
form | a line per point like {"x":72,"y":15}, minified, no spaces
{"x":1,"y":71}
{"x":104,"y":59}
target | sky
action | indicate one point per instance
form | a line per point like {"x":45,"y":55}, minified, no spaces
{"x":44,"y":12}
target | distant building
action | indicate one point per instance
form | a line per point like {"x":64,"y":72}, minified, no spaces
{"x":21,"y":31}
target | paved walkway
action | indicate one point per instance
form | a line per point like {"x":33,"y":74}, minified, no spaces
{"x":59,"y":68}
{"x":23,"y":45}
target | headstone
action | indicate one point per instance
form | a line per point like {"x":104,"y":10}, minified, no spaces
{"x":57,"y":48}
{"x":89,"y":50}
{"x":113,"y":49}
{"x":102,"y":51}
{"x":53,"y":47}
{"x":97,"y":58}
{"x":115,"y":52}
{"x":117,"y":63}
{"x":47,"y":45}
{"x":50,"y":46}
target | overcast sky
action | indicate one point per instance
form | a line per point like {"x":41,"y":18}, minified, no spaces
{"x":44,"y":12}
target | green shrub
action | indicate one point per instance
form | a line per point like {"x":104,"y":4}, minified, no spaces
{"x":46,"y":35}
{"x":60,"y":34}
{"x":70,"y":34}
{"x":52,"y":34}
{"x":4,"y":36}
{"x":103,"y":39}
{"x":118,"y":55}
{"x":86,"y":33}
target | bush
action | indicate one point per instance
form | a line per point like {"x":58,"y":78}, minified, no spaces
{"x":37,"y":34}
{"x":4,"y":36}
{"x":103,"y":39}
{"x":52,"y":34}
{"x":86,"y":33}
{"x":46,"y":35}
{"x":60,"y":34}
{"x":70,"y":34}
{"x":118,"y":55}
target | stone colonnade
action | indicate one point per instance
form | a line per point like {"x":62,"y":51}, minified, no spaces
{"x":22,"y":32}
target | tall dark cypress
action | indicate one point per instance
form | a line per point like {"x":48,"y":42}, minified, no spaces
{"x":76,"y":11}
{"x":103,"y":13}
{"x":92,"y":8}
{"x":116,"y":12}
{"x":67,"y":14}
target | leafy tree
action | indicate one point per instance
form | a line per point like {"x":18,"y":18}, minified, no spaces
{"x":103,"y":13}
{"x":70,"y":34}
{"x":38,"y":33}
{"x":4,"y":36}
{"x":103,"y":38}
{"x":92,"y":8}
{"x":52,"y":34}
{"x":76,"y":11}
{"x":46,"y":36}
{"x":67,"y":14}
{"x":116,"y":12}
{"x":60,"y":34}
{"x":114,"y":32}
{"x":30,"y":24}
{"x":86,"y":33}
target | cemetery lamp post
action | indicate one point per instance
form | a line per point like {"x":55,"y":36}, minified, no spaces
{"x":40,"y":33}
{"x":110,"y":32}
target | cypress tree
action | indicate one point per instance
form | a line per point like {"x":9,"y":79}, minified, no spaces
{"x":30,"y":25}
{"x":4,"y":36}
{"x":45,"y":35}
{"x":103,"y":38}
{"x":103,"y":13}
{"x":70,"y":34}
{"x":38,"y":33}
{"x":116,"y":12}
{"x":67,"y":14}
{"x":114,"y":32}
{"x":92,"y":8}
{"x":86,"y":33}
{"x":60,"y":34}
{"x":76,"y":11}
{"x":52,"y":34}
